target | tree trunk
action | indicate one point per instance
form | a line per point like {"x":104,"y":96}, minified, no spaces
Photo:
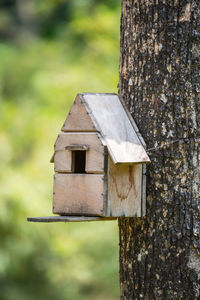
{"x":160,"y":83}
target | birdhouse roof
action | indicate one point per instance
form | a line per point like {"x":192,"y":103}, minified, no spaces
{"x":107,"y":114}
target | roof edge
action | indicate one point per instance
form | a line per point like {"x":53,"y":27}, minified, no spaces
{"x":98,"y":128}
{"x":132,"y":122}
{"x":98,"y":94}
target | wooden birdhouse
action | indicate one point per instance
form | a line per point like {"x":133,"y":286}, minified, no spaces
{"x":99,"y":161}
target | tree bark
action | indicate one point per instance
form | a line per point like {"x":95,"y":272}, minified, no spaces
{"x":160,"y":83}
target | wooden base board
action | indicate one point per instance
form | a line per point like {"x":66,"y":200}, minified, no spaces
{"x":68,"y":219}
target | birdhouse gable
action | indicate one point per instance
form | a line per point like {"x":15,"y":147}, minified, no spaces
{"x":78,"y":119}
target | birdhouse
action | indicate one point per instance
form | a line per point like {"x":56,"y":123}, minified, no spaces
{"x":99,"y":161}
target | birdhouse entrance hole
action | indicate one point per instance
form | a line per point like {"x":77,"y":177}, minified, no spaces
{"x":78,"y":161}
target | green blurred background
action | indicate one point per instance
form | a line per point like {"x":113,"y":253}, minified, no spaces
{"x":49,"y":51}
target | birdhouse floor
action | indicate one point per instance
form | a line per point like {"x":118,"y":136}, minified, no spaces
{"x":69,"y":219}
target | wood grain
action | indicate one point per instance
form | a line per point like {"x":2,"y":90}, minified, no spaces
{"x":109,"y":116}
{"x":124,"y":189}
{"x":143,"y":195}
{"x":78,"y":194}
{"x":78,"y":118}
{"x":52,"y":219}
{"x":94,"y":154}
{"x":77,"y":147}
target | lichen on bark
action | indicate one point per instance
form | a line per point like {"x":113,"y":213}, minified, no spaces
{"x":160,"y":84}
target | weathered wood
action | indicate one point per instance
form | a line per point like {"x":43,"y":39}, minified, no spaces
{"x":94,"y":154}
{"x":77,"y":147}
{"x":78,"y":118}
{"x":68,"y":219}
{"x":70,"y":147}
{"x":78,"y":194}
{"x":124,"y":189}
{"x":143,"y":191}
{"x":105,"y":179}
{"x":111,"y":119}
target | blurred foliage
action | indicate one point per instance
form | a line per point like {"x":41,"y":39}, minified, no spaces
{"x":50,"y":50}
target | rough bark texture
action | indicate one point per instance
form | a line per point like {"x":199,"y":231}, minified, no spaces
{"x":159,"y":80}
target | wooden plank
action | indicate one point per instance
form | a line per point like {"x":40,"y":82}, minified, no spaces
{"x":65,"y":219}
{"x":94,"y":154}
{"x":62,"y":157}
{"x":144,"y":179}
{"x":124,"y":189}
{"x":78,"y":118}
{"x":77,"y":147}
{"x":109,"y":116}
{"x":78,"y":194}
{"x":105,"y":178}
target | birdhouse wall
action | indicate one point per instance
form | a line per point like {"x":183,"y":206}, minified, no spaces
{"x":74,"y":193}
{"x":94,"y":153}
{"x":124,"y":189}
{"x":117,"y":191}
{"x":99,"y":161}
{"x":78,"y":194}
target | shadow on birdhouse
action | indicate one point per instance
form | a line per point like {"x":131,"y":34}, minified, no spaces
{"x":99,"y":160}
